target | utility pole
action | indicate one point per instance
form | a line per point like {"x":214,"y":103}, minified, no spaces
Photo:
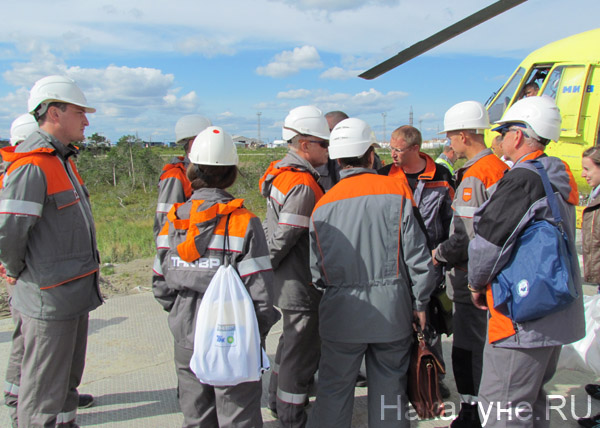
{"x":384,"y":114}
{"x":258,"y":115}
{"x":410,"y":117}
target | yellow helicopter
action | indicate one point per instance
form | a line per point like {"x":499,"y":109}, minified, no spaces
{"x":568,"y":70}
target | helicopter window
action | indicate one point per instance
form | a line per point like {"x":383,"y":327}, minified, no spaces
{"x":502,"y":101}
{"x":535,"y":81}
{"x":553,"y":82}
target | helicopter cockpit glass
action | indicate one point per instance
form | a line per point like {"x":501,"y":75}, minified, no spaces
{"x":502,"y":101}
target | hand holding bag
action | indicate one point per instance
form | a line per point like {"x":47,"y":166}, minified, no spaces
{"x":423,"y":380}
{"x":537,"y":280}
{"x":227,"y":349}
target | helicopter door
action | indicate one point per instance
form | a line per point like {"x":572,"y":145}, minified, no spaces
{"x":567,"y":85}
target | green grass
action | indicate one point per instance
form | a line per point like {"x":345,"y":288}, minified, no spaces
{"x":123,"y":223}
{"x":125,"y":216}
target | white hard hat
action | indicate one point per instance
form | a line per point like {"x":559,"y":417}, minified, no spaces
{"x":351,"y":138}
{"x":190,"y":126}
{"x":55,"y":89}
{"x":540,"y":113}
{"x":213,"y":146}
{"x":22,"y":127}
{"x":466,"y":115}
{"x":305,"y":120}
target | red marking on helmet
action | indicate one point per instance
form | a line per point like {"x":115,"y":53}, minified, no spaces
{"x":216,"y":131}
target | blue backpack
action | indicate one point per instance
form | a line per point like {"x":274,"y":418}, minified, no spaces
{"x":538,"y":278}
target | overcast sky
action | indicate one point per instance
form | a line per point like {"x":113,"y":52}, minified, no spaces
{"x":145,"y":64}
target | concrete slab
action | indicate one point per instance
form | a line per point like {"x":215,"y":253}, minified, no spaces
{"x":131,"y":374}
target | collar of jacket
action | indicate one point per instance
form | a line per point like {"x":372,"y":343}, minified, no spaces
{"x":427,"y":174}
{"x":350,"y":172}
{"x":42,"y":139}
{"x":530,"y":156}
{"x":292,"y":159}
{"x":290,"y":162}
{"x":478,"y":156}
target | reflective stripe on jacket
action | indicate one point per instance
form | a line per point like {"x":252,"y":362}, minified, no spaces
{"x":519,"y":198}
{"x":476,"y":182}
{"x":47,"y":232}
{"x":195,"y":235}
{"x":367,"y":249}
{"x":291,"y":189}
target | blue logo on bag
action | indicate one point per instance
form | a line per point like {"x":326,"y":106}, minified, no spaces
{"x":225,"y":335}
{"x":523,"y":288}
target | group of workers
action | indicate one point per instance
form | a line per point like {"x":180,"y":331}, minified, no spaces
{"x":354,"y":255}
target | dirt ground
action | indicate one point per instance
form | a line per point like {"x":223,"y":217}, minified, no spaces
{"x":118,"y":279}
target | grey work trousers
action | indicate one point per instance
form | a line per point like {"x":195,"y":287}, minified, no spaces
{"x":208,"y":406}
{"x":296,"y":361}
{"x":512,"y":386}
{"x":387,"y":371}
{"x":470,"y":329}
{"x":13,"y":370}
{"x":51,"y":370}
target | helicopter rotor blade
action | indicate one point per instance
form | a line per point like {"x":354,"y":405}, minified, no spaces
{"x":441,"y":37}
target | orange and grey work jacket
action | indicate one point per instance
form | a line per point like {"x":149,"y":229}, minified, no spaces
{"x":291,"y":188}
{"x":369,"y":252}
{"x":433,"y":196}
{"x":47,"y":232}
{"x":173,"y":188}
{"x":519,"y":199}
{"x":190,"y":248}
{"x":476,"y":182}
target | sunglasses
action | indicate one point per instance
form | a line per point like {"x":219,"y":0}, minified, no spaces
{"x":323,"y":144}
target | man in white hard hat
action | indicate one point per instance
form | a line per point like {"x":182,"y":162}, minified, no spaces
{"x":464,"y":125}
{"x":48,"y":249}
{"x":21,"y":128}
{"x":291,"y":189}
{"x":520,"y":358}
{"x":433,"y":191}
{"x":173,"y":187}
{"x":367,"y":307}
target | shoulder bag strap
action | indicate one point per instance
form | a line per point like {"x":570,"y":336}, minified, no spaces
{"x":226,"y":255}
{"x":549,"y":193}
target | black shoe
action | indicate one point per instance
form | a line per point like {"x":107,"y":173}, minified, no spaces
{"x":85,"y":401}
{"x":361,"y":381}
{"x":593,"y":390}
{"x":468,"y":417}
{"x":593,"y":422}
{"x":444,"y":390}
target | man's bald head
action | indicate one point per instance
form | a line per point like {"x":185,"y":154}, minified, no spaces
{"x":335,"y":117}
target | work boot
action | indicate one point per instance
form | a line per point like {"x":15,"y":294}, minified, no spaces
{"x":85,"y":401}
{"x":468,"y":417}
{"x":592,"y":422}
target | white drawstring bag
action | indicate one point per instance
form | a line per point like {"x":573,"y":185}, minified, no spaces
{"x":584,"y":355}
{"x":227,"y":347}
